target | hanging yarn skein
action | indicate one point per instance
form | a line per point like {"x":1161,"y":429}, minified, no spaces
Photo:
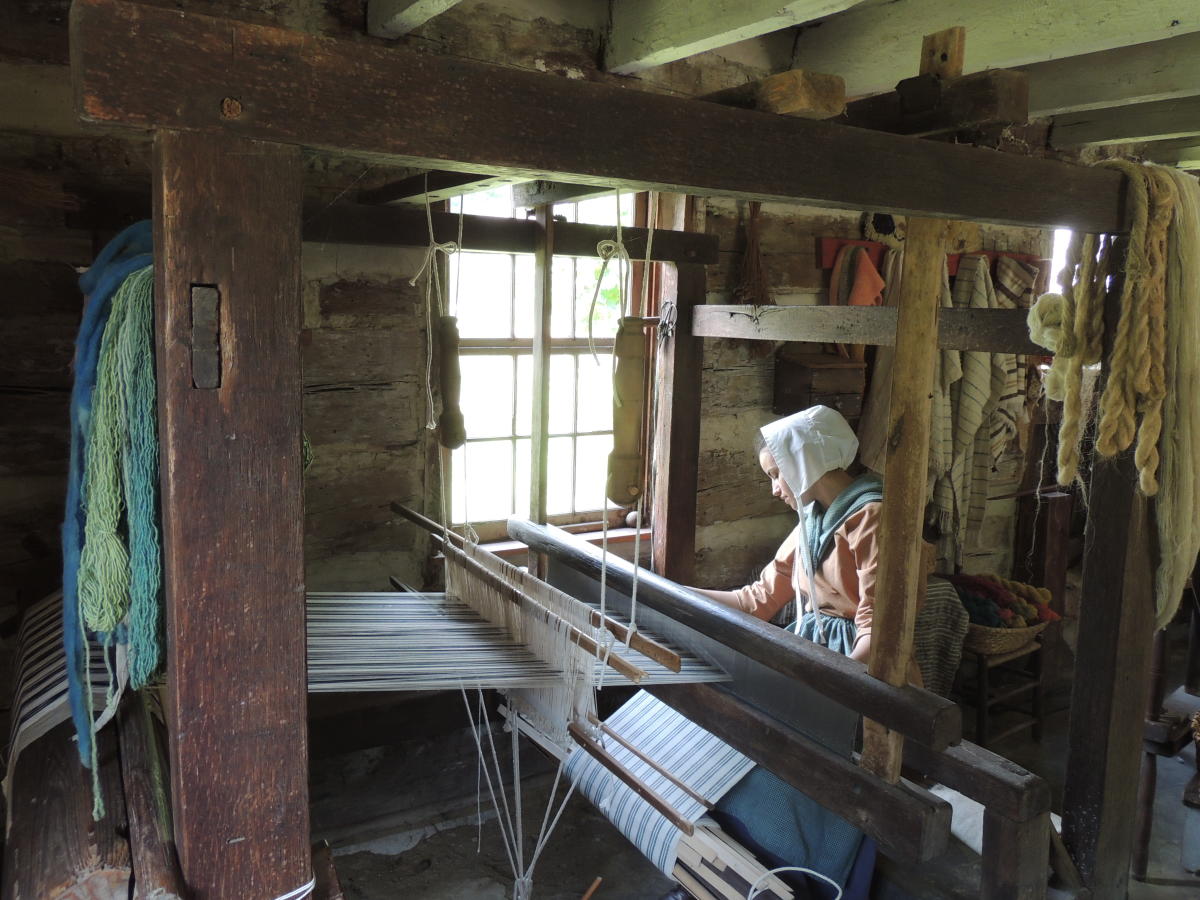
{"x":1151,"y":397}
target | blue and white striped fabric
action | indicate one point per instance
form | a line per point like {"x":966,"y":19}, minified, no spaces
{"x":704,"y":763}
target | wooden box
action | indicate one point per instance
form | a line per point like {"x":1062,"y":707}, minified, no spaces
{"x":804,"y":378}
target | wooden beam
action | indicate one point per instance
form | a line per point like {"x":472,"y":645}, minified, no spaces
{"x":677,"y":441}
{"x":908,"y":822}
{"x":363,"y":99}
{"x":227,"y":214}
{"x":993,"y":330}
{"x":397,"y":226}
{"x":1184,"y":153}
{"x":1156,"y":121}
{"x":435,"y":186}
{"x":997,"y":783}
{"x":1112,"y":666}
{"x":393,"y":18}
{"x":928,"y":105}
{"x":933,"y":720}
{"x":1157,"y":70}
{"x":648,"y":33}
{"x":900,"y":581}
{"x":870,"y":44}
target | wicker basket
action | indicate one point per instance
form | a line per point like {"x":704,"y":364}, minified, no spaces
{"x":994,"y":641}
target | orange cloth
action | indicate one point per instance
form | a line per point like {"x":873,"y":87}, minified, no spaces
{"x":845,"y":580}
{"x":864,"y":288}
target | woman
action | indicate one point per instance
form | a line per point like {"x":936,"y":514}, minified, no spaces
{"x":828,"y":562}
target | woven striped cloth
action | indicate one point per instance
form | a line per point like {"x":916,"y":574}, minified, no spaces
{"x":938,"y":635}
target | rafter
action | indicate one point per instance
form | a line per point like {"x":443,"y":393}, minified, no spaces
{"x":1160,"y":120}
{"x":870,"y":45}
{"x":647,"y":33}
{"x":393,"y":18}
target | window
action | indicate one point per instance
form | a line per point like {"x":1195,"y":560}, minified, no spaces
{"x":492,"y":295}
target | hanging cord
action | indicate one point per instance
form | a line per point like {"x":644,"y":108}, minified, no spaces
{"x":434,"y":294}
{"x":754,"y":888}
{"x":305,"y":890}
{"x":606,"y":250}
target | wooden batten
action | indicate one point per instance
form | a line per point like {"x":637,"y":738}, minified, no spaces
{"x":363,"y":99}
{"x":991,"y":330}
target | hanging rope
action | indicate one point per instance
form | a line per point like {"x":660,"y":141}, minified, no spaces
{"x":433,"y":295}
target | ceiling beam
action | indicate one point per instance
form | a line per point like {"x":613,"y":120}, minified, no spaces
{"x":1181,"y":152}
{"x":1157,"y":121}
{"x":647,"y":33}
{"x":1158,"y":70}
{"x":870,"y":45}
{"x":434,"y":186}
{"x":392,"y":18}
{"x":411,"y":108}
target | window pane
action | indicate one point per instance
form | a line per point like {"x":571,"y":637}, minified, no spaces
{"x":522,"y":474}
{"x":524,"y":394}
{"x":566,"y":210}
{"x":523,"y":296}
{"x":562,"y":393}
{"x":595,"y":392}
{"x":487,"y":395}
{"x":602,"y":210}
{"x":559,"y":478}
{"x":496,"y":202}
{"x":458,"y":487}
{"x":591,"y":470}
{"x":562,"y":297}
{"x":608,"y":303}
{"x":488,"y":473}
{"x":484,"y":295}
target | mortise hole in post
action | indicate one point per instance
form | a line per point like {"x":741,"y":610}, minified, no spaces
{"x":206,"y":336}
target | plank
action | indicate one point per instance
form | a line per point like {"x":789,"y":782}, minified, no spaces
{"x":1108,"y":705}
{"x":993,"y":330}
{"x":156,"y":873}
{"x":435,"y":186}
{"x":944,"y":52}
{"x":361,"y":99}
{"x":648,"y":33}
{"x":933,"y":720}
{"x":328,"y":886}
{"x":1155,"y":121}
{"x":534,"y":193}
{"x":797,"y":92}
{"x":907,"y":821}
{"x":399,"y":227}
{"x":53,"y":848}
{"x":1016,"y":857}
{"x":869,"y":46}
{"x":900,"y":579}
{"x":227,"y":213}
{"x":394,"y":18}
{"x":926,"y":105}
{"x":677,"y":387}
{"x":1156,"y":70}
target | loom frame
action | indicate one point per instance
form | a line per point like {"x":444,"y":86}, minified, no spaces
{"x":636,"y":141}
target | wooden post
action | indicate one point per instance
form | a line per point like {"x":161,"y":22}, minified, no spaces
{"x":900,"y":578}
{"x":943,"y":52}
{"x":1112,"y":665}
{"x":677,"y":441}
{"x":144,"y":776}
{"x":1016,"y":857}
{"x":539,"y":445}
{"x":227,"y":217}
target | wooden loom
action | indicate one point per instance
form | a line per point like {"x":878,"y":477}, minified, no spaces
{"x":227,"y":186}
